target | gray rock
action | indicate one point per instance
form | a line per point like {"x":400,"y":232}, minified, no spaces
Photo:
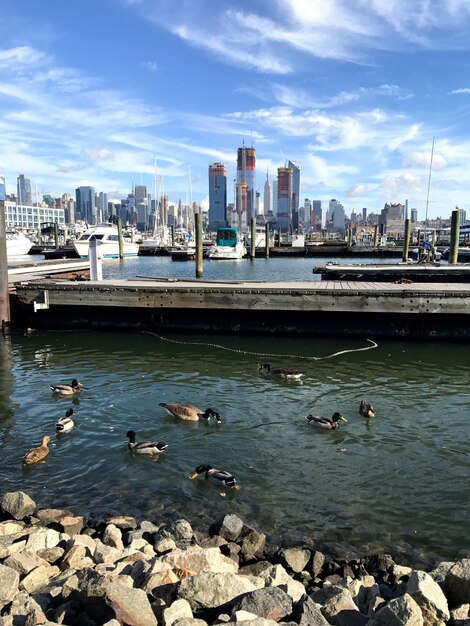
{"x":402,"y":611}
{"x":306,"y":613}
{"x":440,"y":572}
{"x":179,"y":609}
{"x":190,"y":621}
{"x":9,"y":581}
{"x":130,"y":605}
{"x":196,"y":560}
{"x":270,"y":603}
{"x":26,"y":610}
{"x":210,"y":590}
{"x":11,"y":528}
{"x":112,"y":622}
{"x":230,"y":527}
{"x":430,"y":597}
{"x":38,"y":578}
{"x":42,"y":538}
{"x":112,"y":536}
{"x":123,"y":522}
{"x":180,"y":531}
{"x":461,"y":615}
{"x":105,"y":554}
{"x":76,"y":558}
{"x":253,"y":544}
{"x":338,"y":606}
{"x":51,"y":516}
{"x":51,"y":555}
{"x":72,"y":525}
{"x":295,"y":559}
{"x":18,"y":504}
{"x":457,"y":583}
{"x":163,"y":545}
{"x":318,"y":560}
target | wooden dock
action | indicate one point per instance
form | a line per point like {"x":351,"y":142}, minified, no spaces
{"x":316,"y":308}
{"x":390,"y":272}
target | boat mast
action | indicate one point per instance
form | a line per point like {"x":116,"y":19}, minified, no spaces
{"x":155,"y":195}
{"x":427,"y":197}
{"x":191,"y":212}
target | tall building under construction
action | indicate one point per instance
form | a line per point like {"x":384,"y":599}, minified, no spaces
{"x":217,"y":196}
{"x":246,"y":181}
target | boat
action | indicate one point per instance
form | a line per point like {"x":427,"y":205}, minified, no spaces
{"x":184,"y":252}
{"x":260,"y":238}
{"x":18,"y":244}
{"x":228,"y":245}
{"x":108,"y":236}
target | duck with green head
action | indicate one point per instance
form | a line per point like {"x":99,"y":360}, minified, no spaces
{"x":325,"y":422}
{"x":221,"y":478}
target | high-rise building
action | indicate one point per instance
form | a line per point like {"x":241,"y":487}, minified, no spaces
{"x":337,"y":216}
{"x":275,"y":196}
{"x":24,"y":190}
{"x":284,"y":197}
{"x":392,"y":218}
{"x":217,"y":196}
{"x":463,"y":216}
{"x":306,"y":212}
{"x":295,"y":185}
{"x":142,"y":206}
{"x":85,"y":204}
{"x":246,"y":173}
{"x":267,"y":196}
{"x":414,"y":216}
{"x":364,"y":215}
{"x":102,"y":213}
{"x":316,"y":216}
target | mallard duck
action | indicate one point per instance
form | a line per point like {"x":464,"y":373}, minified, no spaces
{"x":145,"y":447}
{"x":37,"y":454}
{"x":286,"y":373}
{"x":366,"y":409}
{"x":67,"y":390}
{"x":65,"y":423}
{"x":189,"y":412}
{"x":216,"y":477}
{"x":324,"y":422}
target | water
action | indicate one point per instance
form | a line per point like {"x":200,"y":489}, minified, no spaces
{"x":398,"y":482}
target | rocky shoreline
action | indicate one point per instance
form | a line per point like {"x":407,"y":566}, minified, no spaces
{"x":59,"y":568}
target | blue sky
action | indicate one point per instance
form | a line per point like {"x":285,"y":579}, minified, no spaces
{"x":92,"y":91}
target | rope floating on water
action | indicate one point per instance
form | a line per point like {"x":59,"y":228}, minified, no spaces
{"x":265,"y":354}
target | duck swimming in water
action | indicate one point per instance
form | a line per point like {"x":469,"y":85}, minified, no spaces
{"x":190,"y":413}
{"x":37,"y":454}
{"x":324,"y":422}
{"x":65,"y":423}
{"x":366,"y":409}
{"x":67,"y":390}
{"x":285,"y":373}
{"x":145,"y":447}
{"x":216,"y":477}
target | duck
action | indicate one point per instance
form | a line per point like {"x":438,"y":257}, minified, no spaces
{"x":65,"y":423}
{"x":286,"y":373}
{"x":217,"y":477}
{"x":145,"y":447}
{"x":37,"y":454}
{"x":190,"y":413}
{"x":324,"y":422}
{"x":67,"y":390}
{"x":366,"y":409}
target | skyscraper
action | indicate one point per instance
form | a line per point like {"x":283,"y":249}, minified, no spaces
{"x":316,"y":216}
{"x":246,"y":173}
{"x":102,"y":206}
{"x":85,"y":205}
{"x":142,"y":206}
{"x":24,"y":190}
{"x":295,"y":185}
{"x":217,"y":196}
{"x":284,"y":196}
{"x":267,"y":196}
{"x":275,"y":196}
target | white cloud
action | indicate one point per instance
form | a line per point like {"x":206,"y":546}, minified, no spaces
{"x":357,"y":191}
{"x":99,"y":154}
{"x":150,"y":65}
{"x":423,"y":159}
{"x":461,"y":90}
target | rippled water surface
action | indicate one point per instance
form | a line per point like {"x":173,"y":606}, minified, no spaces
{"x":398,"y":482}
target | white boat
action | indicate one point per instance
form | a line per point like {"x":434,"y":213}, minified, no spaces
{"x":228,"y":245}
{"x":107,"y":235}
{"x":184,"y":252}
{"x":18,"y":244}
{"x":260,"y":238}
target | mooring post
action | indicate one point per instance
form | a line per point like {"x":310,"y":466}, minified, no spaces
{"x":454,"y":237}
{"x":376,"y":235}
{"x":350,"y":237}
{"x":199,"y":264}
{"x":406,"y":241}
{"x":121,"y":240}
{"x":96,"y":265}
{"x":56,"y":236}
{"x":253,"y":238}
{"x":266,"y":240}
{"x":172,"y":234}
{"x":4,"y":293}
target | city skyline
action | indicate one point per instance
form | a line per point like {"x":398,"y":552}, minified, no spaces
{"x":353,"y":95}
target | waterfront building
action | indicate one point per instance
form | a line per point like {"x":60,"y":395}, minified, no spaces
{"x":246,"y":174}
{"x":284,"y":197}
{"x":463,"y":216}
{"x":392,"y":218}
{"x":217,"y":196}
{"x":316,"y":217}
{"x":31,"y":217}
{"x":267,"y":195}
{"x":414,"y":216}
{"x":85,"y":204}
{"x":24,"y":197}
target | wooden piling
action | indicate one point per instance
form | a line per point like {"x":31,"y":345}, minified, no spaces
{"x":253,"y":238}
{"x":350,"y":237}
{"x":266,"y":240}
{"x":56,"y":236}
{"x":406,"y":242}
{"x":4,"y":294}
{"x":376,"y":235}
{"x":121,"y":240}
{"x":172,"y":227}
{"x":199,"y":263}
{"x":454,"y":236}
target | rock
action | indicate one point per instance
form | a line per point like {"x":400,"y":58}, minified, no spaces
{"x":24,"y":562}
{"x":180,"y":531}
{"x":295,"y":559}
{"x":51,"y":555}
{"x":105,"y":554}
{"x":306,"y":613}
{"x":277,"y":576}
{"x":76,"y":558}
{"x":338,"y":606}
{"x":429,"y":596}
{"x":190,"y":621}
{"x":318,"y":560}
{"x":163,"y":545}
{"x":10,"y":528}
{"x":461,"y":615}
{"x":402,"y":611}
{"x":9,"y":581}
{"x":457,"y":583}
{"x":131,"y":606}
{"x":271,"y":603}
{"x":229,"y":527}
{"x":123,"y":522}
{"x":82,"y":540}
{"x":260,"y":568}
{"x":112,"y":622}
{"x":112,"y":536}
{"x":39,"y":578}
{"x":197,"y":560}
{"x":178,"y":610}
{"x":72,"y":525}
{"x":440,"y":572}
{"x":18,"y":504}
{"x":51,"y":516}
{"x":26,"y":610}
{"x":210,"y":590}
{"x":253,"y":544}
{"x":42,"y":538}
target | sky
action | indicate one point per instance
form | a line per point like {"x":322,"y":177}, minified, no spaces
{"x":95,"y":92}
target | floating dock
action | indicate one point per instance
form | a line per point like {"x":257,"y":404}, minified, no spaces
{"x":415,"y":272}
{"x":316,"y":308}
